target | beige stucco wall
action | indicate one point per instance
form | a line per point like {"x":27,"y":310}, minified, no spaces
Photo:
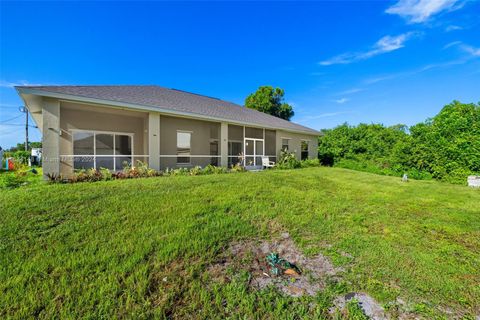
{"x":202,"y":133}
{"x":295,"y":140}
{"x":60,"y":118}
{"x":50,"y":136}
{"x":88,"y":117}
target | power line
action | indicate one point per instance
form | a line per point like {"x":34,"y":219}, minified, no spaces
{"x":18,"y":124}
{"x":11,"y":119}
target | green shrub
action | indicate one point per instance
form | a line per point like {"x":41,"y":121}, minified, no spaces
{"x":237,"y":168}
{"x":288,"y":161}
{"x":445,"y":147}
{"x":142,"y":171}
{"x":195,"y":171}
{"x":12,"y":180}
{"x":310,"y":163}
{"x":106,"y":174}
{"x":20,"y":156}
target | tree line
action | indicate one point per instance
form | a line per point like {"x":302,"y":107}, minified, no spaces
{"x":445,"y":147}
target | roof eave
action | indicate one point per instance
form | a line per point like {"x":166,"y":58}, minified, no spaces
{"x":139,"y":107}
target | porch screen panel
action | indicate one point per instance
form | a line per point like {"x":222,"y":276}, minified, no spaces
{"x":258,"y":151}
{"x":83,"y":148}
{"x":235,"y":144}
{"x":270,"y":144}
{"x":123,"y":148}
{"x":255,"y":133}
{"x":235,"y":132}
{"x":104,"y":149}
{"x":214,"y":143}
{"x":214,"y":149}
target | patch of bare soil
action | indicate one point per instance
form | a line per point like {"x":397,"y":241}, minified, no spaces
{"x":370,"y":307}
{"x":307,"y":276}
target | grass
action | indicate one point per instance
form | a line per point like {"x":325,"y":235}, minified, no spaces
{"x":141,"y":248}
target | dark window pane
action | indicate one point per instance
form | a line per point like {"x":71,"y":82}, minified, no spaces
{"x":83,"y":143}
{"x":104,"y":144}
{"x":304,"y":148}
{"x":123,"y":145}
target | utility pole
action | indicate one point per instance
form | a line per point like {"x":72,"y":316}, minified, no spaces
{"x":25,"y":110}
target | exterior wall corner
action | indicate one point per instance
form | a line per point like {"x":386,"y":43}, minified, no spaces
{"x":51,"y":137}
{"x":154,"y":140}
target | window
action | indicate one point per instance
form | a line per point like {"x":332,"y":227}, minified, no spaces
{"x":183,"y":147}
{"x":285,"y":142}
{"x":101,"y":150}
{"x":304,"y":154}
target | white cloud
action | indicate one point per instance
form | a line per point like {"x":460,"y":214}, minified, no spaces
{"x":351,"y":91}
{"x":322,"y":115}
{"x":419,"y":70}
{"x":453,"y":28}
{"x":378,"y":79}
{"x":418,"y":11}
{"x":384,"y":45}
{"x":342,"y":100}
{"x":451,"y":44}
{"x":474,"y":52}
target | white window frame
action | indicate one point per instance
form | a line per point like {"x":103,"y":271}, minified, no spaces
{"x":190,"y":156}
{"x":286,"y":138}
{"x":115,"y":156}
{"x":308,"y":147}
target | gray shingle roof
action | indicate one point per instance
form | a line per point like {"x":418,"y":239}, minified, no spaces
{"x":176,"y":101}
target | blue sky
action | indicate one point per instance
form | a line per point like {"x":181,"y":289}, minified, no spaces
{"x":379,"y":61}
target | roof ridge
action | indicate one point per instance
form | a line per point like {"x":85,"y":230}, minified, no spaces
{"x":197,"y":94}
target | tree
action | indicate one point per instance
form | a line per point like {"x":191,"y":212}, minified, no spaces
{"x":445,"y":147}
{"x":21,"y":146}
{"x":269,"y":100}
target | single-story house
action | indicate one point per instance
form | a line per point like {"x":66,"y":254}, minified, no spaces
{"x":109,"y":126}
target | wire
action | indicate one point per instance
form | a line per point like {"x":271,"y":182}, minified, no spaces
{"x":11,"y":118}
{"x":18,"y":124}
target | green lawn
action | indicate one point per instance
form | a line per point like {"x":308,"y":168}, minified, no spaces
{"x":103,"y":249}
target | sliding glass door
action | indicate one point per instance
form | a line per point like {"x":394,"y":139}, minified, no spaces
{"x":98,"y":150}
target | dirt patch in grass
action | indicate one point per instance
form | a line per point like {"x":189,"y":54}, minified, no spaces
{"x":369,"y":307}
{"x":310,"y":277}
